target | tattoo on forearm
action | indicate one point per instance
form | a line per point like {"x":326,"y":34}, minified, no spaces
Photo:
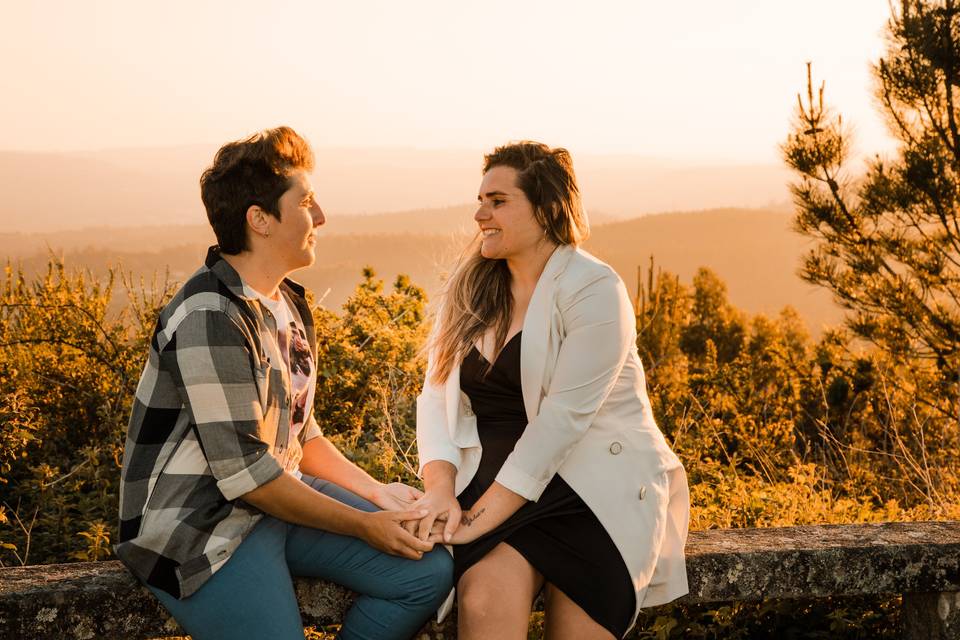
{"x":467,"y":519}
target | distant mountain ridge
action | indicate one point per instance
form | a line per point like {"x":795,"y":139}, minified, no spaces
{"x":753,"y":250}
{"x":44,"y":192}
{"x":456,"y":220}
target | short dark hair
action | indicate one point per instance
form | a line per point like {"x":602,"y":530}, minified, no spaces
{"x":254,"y":171}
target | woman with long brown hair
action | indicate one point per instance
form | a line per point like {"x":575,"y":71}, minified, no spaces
{"x":542,"y":463}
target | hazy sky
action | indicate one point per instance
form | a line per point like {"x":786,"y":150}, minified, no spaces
{"x":701,"y":80}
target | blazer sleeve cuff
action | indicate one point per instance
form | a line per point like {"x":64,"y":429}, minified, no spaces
{"x":520,"y":482}
{"x":449,"y":453}
{"x":265,"y":469}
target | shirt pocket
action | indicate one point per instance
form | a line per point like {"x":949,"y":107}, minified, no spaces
{"x":261,"y":375}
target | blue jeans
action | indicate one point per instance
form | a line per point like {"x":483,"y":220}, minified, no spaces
{"x":252,"y":595}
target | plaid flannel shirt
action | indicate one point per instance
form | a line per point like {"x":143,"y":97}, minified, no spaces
{"x":210,"y":422}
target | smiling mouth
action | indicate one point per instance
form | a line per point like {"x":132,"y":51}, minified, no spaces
{"x":489,"y":232}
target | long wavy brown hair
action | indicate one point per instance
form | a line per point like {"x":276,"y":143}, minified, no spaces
{"x":477,"y":296}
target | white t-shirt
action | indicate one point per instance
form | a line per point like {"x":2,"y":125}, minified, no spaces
{"x":300,"y":369}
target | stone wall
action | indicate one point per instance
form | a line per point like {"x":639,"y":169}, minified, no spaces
{"x":920,"y":560}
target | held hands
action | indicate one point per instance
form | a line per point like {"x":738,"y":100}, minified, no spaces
{"x":383,"y":530}
{"x":495,"y":505}
{"x":464,"y":533}
{"x":442,"y":515}
{"x":396,"y":496}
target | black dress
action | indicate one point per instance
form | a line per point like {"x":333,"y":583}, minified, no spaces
{"x":557,"y":534}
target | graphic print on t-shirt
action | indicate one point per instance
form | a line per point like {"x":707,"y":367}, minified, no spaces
{"x":301,"y":367}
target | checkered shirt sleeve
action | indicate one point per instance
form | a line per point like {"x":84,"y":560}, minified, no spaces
{"x":216,"y":376}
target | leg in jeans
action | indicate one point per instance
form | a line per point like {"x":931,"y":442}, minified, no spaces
{"x":251,"y":596}
{"x":397,"y":595}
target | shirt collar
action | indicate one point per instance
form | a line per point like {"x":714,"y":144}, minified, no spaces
{"x":231,"y":279}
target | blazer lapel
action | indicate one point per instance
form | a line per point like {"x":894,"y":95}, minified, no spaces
{"x":452,"y":399}
{"x":536,"y":330}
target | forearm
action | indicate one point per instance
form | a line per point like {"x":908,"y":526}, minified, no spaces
{"x":600,"y":336}
{"x":495,"y":505}
{"x":291,"y":500}
{"x":287,"y":498}
{"x":439,"y":476}
{"x":323,"y":460}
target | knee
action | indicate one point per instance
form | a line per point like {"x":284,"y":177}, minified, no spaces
{"x":435,"y":579}
{"x":440,"y":569}
{"x":476,"y":601}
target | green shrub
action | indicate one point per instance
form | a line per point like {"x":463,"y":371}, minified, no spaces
{"x":774,"y":428}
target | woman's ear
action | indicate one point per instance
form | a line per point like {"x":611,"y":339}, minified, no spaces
{"x":258,"y":220}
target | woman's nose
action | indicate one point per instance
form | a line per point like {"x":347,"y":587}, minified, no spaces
{"x":318,"y":217}
{"x":481,"y":214}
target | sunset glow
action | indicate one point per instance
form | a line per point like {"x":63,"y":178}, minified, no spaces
{"x":696,"y":81}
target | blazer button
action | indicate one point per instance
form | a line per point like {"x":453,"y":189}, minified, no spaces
{"x":616,"y":448}
{"x":643,"y":492}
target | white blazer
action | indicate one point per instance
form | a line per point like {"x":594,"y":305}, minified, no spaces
{"x":589,"y":420}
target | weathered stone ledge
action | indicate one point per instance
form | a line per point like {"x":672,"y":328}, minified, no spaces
{"x":100,"y":599}
{"x":821,"y":561}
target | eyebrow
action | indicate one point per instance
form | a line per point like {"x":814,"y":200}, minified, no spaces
{"x":490,"y":194}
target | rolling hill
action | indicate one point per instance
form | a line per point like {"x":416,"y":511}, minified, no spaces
{"x":753,"y":250}
{"x":46,"y":192}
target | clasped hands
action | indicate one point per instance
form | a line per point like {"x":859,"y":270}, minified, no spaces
{"x":432,"y":517}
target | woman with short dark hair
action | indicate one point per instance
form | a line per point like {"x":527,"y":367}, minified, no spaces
{"x":229,"y":487}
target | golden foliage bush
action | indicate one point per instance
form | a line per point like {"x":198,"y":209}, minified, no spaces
{"x":774,"y":428}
